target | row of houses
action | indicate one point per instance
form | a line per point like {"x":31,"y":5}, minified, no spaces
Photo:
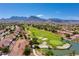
{"x":8,"y":39}
{"x":72,"y":36}
{"x":18,"y":48}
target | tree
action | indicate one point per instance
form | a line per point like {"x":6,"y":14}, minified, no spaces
{"x":5,"y":49}
{"x":49,"y":53}
{"x":27,"y":51}
{"x":27,"y":28}
{"x":11,"y":31}
{"x":68,"y":35}
{"x":62,"y":38}
{"x":34,"y":41}
{"x":0,"y":48}
{"x":75,"y":32}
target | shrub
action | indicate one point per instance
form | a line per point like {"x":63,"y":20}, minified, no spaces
{"x":27,"y":51}
{"x":5,"y":49}
{"x":34,"y":41}
{"x":48,"y":52}
{"x":67,"y":35}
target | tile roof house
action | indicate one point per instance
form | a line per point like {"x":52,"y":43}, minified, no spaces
{"x":64,"y":32}
{"x":7,"y":40}
{"x":75,"y":36}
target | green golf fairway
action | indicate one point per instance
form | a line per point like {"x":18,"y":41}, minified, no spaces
{"x":53,"y":39}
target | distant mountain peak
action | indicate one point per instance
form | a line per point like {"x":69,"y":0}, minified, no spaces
{"x":18,"y":17}
{"x":36,"y":19}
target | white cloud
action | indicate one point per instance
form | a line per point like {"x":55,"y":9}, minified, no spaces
{"x":40,"y":15}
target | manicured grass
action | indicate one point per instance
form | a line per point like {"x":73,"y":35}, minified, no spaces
{"x":53,"y":39}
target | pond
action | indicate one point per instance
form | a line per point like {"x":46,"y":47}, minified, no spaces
{"x":74,"y":47}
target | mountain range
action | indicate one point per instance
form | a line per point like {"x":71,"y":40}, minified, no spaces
{"x":36,"y":19}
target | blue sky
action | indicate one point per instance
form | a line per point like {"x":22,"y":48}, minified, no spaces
{"x":53,"y":10}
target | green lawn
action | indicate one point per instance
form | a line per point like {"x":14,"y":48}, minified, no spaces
{"x":53,"y":39}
